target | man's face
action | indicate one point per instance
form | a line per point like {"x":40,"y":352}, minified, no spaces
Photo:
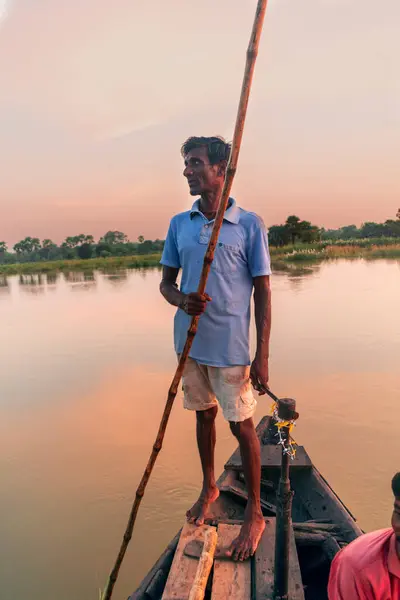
{"x":396,"y":519}
{"x":201,"y":175}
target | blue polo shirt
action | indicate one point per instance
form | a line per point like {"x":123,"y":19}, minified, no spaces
{"x":222,"y":338}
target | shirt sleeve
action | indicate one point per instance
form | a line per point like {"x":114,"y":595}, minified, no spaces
{"x":170,"y":255}
{"x":345,"y":581}
{"x":258,"y":257}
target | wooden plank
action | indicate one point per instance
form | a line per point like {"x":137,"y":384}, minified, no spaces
{"x":271,"y":458}
{"x":183,"y":568}
{"x":232,"y":579}
{"x":239,"y":490}
{"x":264,"y":566}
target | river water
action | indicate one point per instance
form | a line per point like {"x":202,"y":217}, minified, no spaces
{"x":85,"y":364}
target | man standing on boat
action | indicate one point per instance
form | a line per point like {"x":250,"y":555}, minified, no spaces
{"x":218,"y":369}
{"x":369,"y":567}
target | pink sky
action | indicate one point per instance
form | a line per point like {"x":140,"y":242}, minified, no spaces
{"x":96,"y":98}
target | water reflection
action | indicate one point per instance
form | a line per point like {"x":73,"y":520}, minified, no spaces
{"x":33,"y":283}
{"x":293,"y":269}
{"x":294,"y":274}
{"x":76,"y":428}
{"x":79,"y":276}
{"x":116,"y":276}
{"x":81,"y":280}
{"x":51,"y":279}
{"x":4,"y":286}
{"x":143,"y":272}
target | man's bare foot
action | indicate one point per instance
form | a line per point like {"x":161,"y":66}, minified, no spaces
{"x":250,"y":534}
{"x":198,"y":513}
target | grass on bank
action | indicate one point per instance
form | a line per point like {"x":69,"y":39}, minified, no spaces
{"x":91,"y":264}
{"x":326,"y":252}
{"x":299,"y":253}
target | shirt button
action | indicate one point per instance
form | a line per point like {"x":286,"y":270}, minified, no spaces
{"x":206,"y":226}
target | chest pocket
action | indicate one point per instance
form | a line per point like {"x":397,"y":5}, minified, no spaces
{"x":226,"y":258}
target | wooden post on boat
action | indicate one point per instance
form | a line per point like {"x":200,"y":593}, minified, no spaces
{"x":286,"y":408}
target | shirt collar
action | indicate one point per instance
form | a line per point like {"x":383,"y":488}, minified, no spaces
{"x":393,"y":559}
{"x":232,"y":214}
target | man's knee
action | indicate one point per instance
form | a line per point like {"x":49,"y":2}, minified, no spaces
{"x":242,"y":428}
{"x":207,"y":416}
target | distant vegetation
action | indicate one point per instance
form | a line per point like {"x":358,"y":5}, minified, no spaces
{"x":82,"y":246}
{"x":282,"y":257}
{"x":109,"y":264}
{"x":293,"y":241}
{"x":294,"y":230}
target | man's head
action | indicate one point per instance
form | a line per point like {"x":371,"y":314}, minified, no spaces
{"x":206,"y":159}
{"x":396,"y":511}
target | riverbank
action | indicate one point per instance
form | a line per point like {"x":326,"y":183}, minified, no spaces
{"x":91,"y":264}
{"x":299,"y":253}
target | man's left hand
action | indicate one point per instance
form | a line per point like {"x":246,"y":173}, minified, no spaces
{"x":259,"y":374}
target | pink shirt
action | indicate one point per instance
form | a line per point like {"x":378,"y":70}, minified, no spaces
{"x":367,"y":569}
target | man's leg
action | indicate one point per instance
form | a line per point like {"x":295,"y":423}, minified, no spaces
{"x":232,"y":387}
{"x":199,"y":397}
{"x":253,"y":526}
{"x":206,"y":437}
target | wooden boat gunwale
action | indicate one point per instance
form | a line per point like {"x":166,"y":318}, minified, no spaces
{"x":319,"y":517}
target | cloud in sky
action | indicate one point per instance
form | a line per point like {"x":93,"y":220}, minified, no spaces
{"x":96,"y":98}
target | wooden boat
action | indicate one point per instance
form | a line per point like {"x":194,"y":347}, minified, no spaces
{"x":321,"y":522}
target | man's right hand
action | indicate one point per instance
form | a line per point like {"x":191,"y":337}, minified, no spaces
{"x":194,"y":304}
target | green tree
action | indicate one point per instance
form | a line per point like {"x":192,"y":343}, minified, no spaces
{"x":348,"y":232}
{"x":392,"y":228}
{"x":371,"y":230}
{"x":49,"y":250}
{"x":398,"y":214}
{"x":85,"y":250}
{"x":3,"y":247}
{"x":76,"y":240}
{"x":309,"y":233}
{"x":114,"y":237}
{"x":278,"y":235}
{"x":27,"y":245}
{"x":293,"y":227}
{"x":102,"y":249}
{"x":330,"y":234}
{"x":70,"y":241}
{"x":140,"y":239}
{"x":48,"y":244}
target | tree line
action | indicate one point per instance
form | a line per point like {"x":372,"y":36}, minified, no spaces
{"x":116,"y":243}
{"x":83,"y":246}
{"x":295,"y":230}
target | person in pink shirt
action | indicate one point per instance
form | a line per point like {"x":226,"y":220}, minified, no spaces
{"x":369,"y":567}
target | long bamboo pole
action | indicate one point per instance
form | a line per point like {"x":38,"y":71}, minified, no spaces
{"x":252,"y":52}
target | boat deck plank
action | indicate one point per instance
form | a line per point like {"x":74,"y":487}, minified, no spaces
{"x":271,"y":458}
{"x":183,"y":569}
{"x":264,"y":566}
{"x":231,"y":579}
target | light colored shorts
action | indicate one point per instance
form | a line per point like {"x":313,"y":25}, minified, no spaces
{"x":205,"y":387}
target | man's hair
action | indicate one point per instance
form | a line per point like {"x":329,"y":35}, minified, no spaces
{"x":217,"y":148}
{"x":396,"y":485}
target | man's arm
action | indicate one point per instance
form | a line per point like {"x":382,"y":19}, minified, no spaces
{"x":262,"y":304}
{"x":193,"y":304}
{"x":169,"y":287}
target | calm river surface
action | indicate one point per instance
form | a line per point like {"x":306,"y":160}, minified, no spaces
{"x":85,"y":363}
